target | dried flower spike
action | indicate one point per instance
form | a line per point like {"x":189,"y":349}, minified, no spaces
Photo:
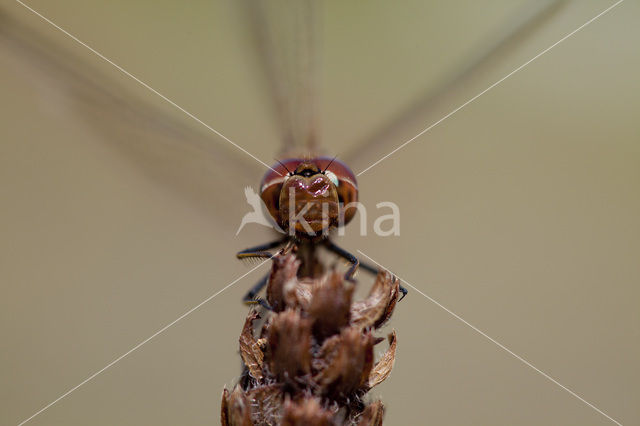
{"x":313,"y":362}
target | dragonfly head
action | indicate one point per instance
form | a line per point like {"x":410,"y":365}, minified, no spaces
{"x":310,"y":196}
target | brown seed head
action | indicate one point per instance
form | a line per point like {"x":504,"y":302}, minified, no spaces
{"x":306,"y":412}
{"x":330,"y":305}
{"x":349,"y":363}
{"x":289,"y":345}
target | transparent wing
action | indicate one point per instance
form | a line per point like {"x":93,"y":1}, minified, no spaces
{"x":162,"y":141}
{"x":285,"y":34}
{"x":486,"y":55}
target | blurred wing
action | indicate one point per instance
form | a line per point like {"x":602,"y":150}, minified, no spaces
{"x":285,"y":33}
{"x":165,"y":145}
{"x":489,"y":53}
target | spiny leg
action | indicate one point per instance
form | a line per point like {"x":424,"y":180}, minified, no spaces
{"x":251,"y":299}
{"x":345,"y":255}
{"x":404,"y":292}
{"x":260,"y":251}
{"x":372,"y":269}
{"x":367,"y":267}
{"x":253,"y":291}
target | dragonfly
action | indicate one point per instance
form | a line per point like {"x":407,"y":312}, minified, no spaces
{"x":91,"y":97}
{"x":307,"y":185}
{"x":315,"y":188}
{"x":286,"y":40}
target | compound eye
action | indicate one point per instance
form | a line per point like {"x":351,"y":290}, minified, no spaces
{"x":332,"y":177}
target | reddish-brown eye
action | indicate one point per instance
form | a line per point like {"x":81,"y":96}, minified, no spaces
{"x":271,"y":185}
{"x":347,"y":185}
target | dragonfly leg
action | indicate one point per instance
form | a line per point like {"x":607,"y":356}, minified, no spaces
{"x":250,"y":297}
{"x":259,"y":251}
{"x":404,"y":292}
{"x":345,"y":255}
{"x":367,"y":267}
{"x":259,"y":301}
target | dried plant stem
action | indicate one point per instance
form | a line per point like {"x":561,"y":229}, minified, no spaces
{"x":313,"y":361}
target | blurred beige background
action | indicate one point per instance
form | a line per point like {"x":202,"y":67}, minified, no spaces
{"x":519,"y":213}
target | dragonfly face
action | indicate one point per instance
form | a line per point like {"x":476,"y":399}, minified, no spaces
{"x":317,"y":192}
